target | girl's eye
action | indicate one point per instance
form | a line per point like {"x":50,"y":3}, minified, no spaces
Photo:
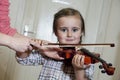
{"x":75,"y":30}
{"x":63,"y":30}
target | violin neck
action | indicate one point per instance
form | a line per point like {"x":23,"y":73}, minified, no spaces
{"x":88,"y":53}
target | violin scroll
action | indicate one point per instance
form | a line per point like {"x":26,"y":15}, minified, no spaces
{"x":107,"y":68}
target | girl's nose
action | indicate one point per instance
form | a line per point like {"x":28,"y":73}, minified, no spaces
{"x":69,"y":33}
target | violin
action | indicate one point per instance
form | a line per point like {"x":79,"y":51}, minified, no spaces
{"x":90,"y":58}
{"x":69,"y":51}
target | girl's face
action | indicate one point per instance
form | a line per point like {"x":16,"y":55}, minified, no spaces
{"x":69,"y":30}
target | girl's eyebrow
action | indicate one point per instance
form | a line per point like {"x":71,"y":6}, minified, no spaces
{"x":62,"y":27}
{"x":77,"y":27}
{"x":67,"y":27}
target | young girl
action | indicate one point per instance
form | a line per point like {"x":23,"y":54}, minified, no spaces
{"x":69,"y":28}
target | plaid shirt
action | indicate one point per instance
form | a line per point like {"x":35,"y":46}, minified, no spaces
{"x":53,"y":69}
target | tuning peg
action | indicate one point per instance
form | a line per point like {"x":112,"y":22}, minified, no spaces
{"x":110,"y":64}
{"x":103,"y":71}
{"x":100,"y":66}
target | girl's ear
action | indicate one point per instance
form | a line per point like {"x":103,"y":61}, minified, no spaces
{"x":81,"y":37}
{"x":56,"y":34}
{"x":82,"y":33}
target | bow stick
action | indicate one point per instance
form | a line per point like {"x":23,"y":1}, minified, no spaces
{"x":75,"y":45}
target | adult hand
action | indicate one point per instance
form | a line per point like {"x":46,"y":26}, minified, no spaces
{"x":19,"y":43}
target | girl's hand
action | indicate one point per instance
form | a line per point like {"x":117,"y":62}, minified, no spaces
{"x":79,"y":67}
{"x":78,"y":62}
{"x":51,"y":52}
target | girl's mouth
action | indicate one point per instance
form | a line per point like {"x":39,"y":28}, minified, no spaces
{"x":69,"y":40}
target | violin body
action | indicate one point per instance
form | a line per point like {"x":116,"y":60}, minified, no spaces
{"x":69,"y":52}
{"x":90,"y":58}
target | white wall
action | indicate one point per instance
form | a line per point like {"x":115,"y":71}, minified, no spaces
{"x":102,"y":25}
